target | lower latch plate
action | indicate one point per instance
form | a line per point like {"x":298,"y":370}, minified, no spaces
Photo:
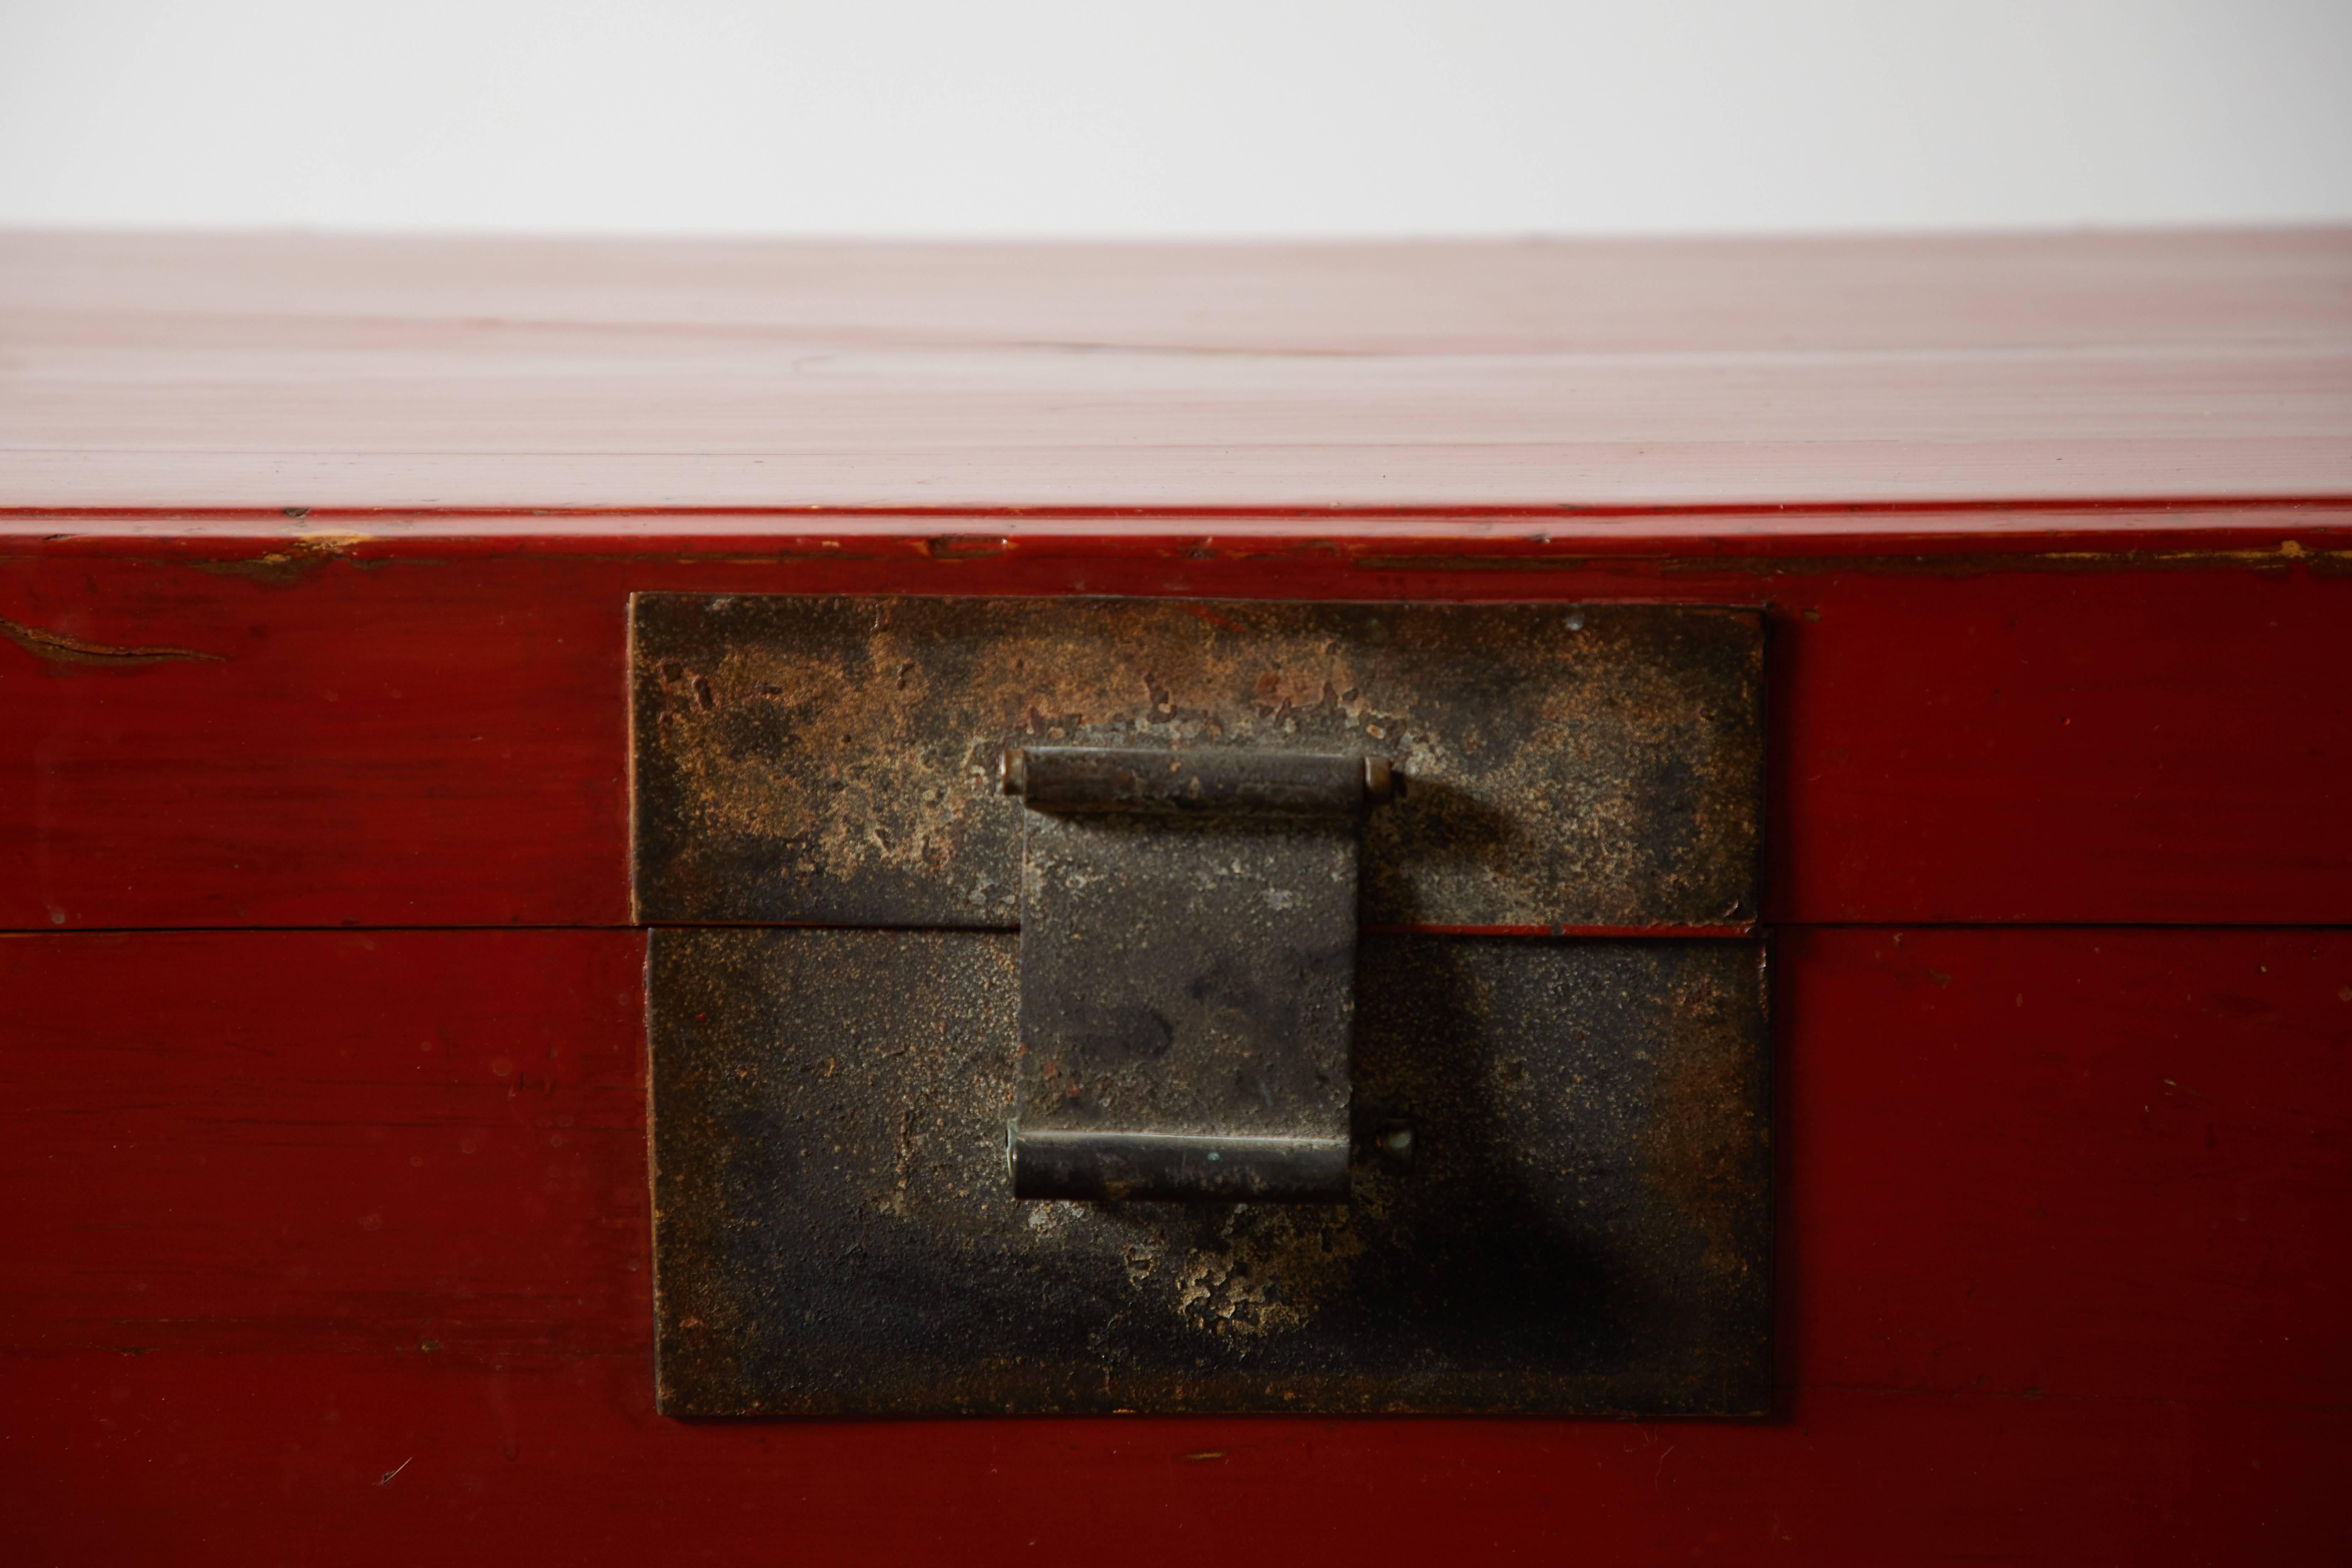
{"x":1560,"y":1195}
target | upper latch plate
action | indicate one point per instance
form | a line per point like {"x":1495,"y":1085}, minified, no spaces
{"x":833,"y":761}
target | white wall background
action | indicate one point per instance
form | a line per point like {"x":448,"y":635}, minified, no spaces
{"x":1205,"y":116}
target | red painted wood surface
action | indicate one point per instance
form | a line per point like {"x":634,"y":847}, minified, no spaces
{"x":313,"y":554}
{"x":308,"y":371}
{"x":1970,"y":726}
{"x":291,"y":1211}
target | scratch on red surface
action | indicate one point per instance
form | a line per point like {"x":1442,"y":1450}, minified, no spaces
{"x":59,"y":648}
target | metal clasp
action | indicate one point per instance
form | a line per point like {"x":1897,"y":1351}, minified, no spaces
{"x":1188,"y":956}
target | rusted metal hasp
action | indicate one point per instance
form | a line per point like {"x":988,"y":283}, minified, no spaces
{"x":1508,"y":1031}
{"x":1188,"y":963}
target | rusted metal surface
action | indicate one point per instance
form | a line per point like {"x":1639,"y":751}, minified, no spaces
{"x":897,"y":1172}
{"x":835,"y":761}
{"x":1558,"y":1195}
{"x":1188,"y":970}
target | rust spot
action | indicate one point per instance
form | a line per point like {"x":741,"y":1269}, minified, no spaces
{"x":1274,"y":1271}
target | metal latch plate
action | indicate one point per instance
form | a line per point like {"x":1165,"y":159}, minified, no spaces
{"x":833,"y":761}
{"x":1558,"y":1191}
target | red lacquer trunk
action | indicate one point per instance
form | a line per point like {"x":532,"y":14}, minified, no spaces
{"x":322,"y":1055}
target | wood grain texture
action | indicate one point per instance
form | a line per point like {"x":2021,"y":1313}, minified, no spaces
{"x":268,"y":371}
{"x":296,"y":1210}
{"x":432,"y":731}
